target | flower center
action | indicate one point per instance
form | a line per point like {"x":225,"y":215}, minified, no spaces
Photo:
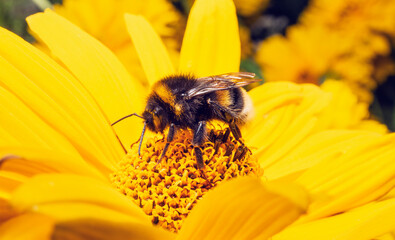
{"x":167,"y":191}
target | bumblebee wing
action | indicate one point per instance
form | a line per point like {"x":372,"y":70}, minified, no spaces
{"x":221,"y":82}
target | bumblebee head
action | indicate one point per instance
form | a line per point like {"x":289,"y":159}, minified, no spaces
{"x":155,"y":119}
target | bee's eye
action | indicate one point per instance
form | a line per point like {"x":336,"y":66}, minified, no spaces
{"x":158,"y":111}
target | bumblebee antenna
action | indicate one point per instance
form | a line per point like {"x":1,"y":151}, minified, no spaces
{"x":142,"y":136}
{"x":133,"y":114}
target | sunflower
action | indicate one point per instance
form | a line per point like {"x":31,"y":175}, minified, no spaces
{"x":60,"y":156}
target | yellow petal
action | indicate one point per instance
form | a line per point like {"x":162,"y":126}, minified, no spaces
{"x":70,"y":210}
{"x":63,"y":188}
{"x":57,"y":98}
{"x":388,"y":236}
{"x":6,"y":210}
{"x":152,"y":53}
{"x":372,"y":125}
{"x":366,"y":222}
{"x":22,"y":126}
{"x":273,"y":104}
{"x":290,"y":119}
{"x":78,"y":205}
{"x":93,"y":16}
{"x":362,"y":174}
{"x":272,"y":95}
{"x":30,"y":226}
{"x":95,"y":66}
{"x":29,"y":161}
{"x":98,"y":222}
{"x":318,"y":147}
{"x":244,"y":209}
{"x":9,"y":181}
{"x":211,"y":42}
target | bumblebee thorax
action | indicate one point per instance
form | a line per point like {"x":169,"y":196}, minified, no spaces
{"x":163,"y":92}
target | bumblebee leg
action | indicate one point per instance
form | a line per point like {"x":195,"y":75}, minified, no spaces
{"x":170,"y":137}
{"x":235,"y":129}
{"x":197,"y":141}
{"x":199,"y":134}
{"x":199,"y":157}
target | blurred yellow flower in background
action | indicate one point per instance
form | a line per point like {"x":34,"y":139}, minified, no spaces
{"x":346,"y":109}
{"x":248,"y":8}
{"x":352,"y":16}
{"x":309,"y":54}
{"x":327,"y":175}
{"x":346,"y":40}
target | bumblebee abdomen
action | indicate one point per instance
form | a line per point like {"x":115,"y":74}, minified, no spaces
{"x":247,"y":113}
{"x":224,"y":98}
{"x":236,"y":103}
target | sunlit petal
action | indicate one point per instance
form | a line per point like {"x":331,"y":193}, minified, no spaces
{"x":366,"y":222}
{"x":152,"y":53}
{"x":358,"y":176}
{"x":97,"y":222}
{"x":211,"y":43}
{"x":65,"y":188}
{"x":288,"y":119}
{"x":29,"y":161}
{"x":31,"y":226}
{"x":78,"y":205}
{"x":318,"y":147}
{"x":63,"y":104}
{"x":116,"y":92}
{"x":6,"y":210}
{"x":244,"y":209}
{"x":9,"y":181}
{"x":23,"y":126}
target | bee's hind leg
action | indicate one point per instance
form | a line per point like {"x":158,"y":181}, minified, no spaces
{"x":170,"y":137}
{"x":234,"y":129}
{"x":199,"y":135}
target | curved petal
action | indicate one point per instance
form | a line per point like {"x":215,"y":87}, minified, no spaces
{"x":152,"y":53}
{"x":358,"y":176}
{"x":97,"y":222}
{"x":6,"y":210}
{"x":366,"y":222}
{"x":95,"y":66}
{"x":63,"y":188}
{"x":211,"y":42}
{"x":18,"y":164}
{"x":78,"y":205}
{"x":244,"y":209}
{"x":29,"y":161}
{"x":287,"y":119}
{"x":8,"y":182}
{"x":318,"y":147}
{"x":31,"y":226}
{"x":58,"y":99}
{"x":22,"y":126}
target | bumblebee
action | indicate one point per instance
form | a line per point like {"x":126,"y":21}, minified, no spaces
{"x":186,"y":102}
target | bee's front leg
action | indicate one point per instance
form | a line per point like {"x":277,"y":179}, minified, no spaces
{"x":170,"y":137}
{"x":198,"y":139}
